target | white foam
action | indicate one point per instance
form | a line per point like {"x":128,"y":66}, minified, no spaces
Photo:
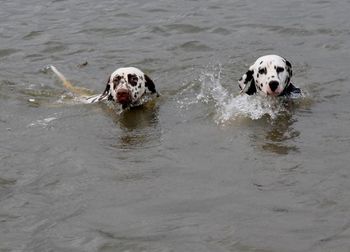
{"x":228,"y":107}
{"x":43,"y":123}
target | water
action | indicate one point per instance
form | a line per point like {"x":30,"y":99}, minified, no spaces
{"x":202,"y":169}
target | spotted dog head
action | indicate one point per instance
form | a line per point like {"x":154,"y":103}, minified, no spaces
{"x":269,"y":75}
{"x":127,"y":85}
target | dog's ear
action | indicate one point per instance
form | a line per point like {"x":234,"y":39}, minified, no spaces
{"x":106,"y":92}
{"x":246,"y":83}
{"x":289,"y":68}
{"x":150,"y":85}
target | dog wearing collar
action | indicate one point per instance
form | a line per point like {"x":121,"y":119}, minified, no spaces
{"x":126,"y":86}
{"x":270,"y":75}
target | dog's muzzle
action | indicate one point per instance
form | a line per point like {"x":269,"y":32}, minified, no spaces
{"x":123,"y":96}
{"x":273,"y":85}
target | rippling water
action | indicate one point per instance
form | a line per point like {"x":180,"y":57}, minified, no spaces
{"x":202,"y":169}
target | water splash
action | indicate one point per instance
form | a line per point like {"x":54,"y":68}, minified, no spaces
{"x":42,"y":122}
{"x":228,"y":107}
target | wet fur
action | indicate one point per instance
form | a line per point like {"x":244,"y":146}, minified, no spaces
{"x":269,"y":75}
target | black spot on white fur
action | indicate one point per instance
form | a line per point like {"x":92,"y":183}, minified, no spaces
{"x":150,"y":85}
{"x":270,"y":69}
{"x":130,"y":80}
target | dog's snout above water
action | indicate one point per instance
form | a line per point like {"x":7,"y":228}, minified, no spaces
{"x":273,"y":85}
{"x":123,"y":96}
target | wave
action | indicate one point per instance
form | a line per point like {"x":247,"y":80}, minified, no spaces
{"x":227,"y":106}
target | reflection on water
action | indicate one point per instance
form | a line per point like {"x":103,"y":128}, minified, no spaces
{"x":139,"y":117}
{"x":139,"y":126}
{"x":278,"y":135}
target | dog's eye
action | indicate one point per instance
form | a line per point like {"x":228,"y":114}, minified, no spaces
{"x":132,"y":79}
{"x":279,"y":69}
{"x":262,"y":71}
{"x":116,"y":80}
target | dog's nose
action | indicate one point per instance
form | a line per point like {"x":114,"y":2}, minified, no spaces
{"x":123,"y":96}
{"x":273,"y":85}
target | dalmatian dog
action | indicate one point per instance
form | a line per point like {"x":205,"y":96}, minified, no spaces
{"x":126,"y":86}
{"x":270,"y":75}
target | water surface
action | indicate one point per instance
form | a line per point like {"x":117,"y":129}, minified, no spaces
{"x":205,"y":169}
